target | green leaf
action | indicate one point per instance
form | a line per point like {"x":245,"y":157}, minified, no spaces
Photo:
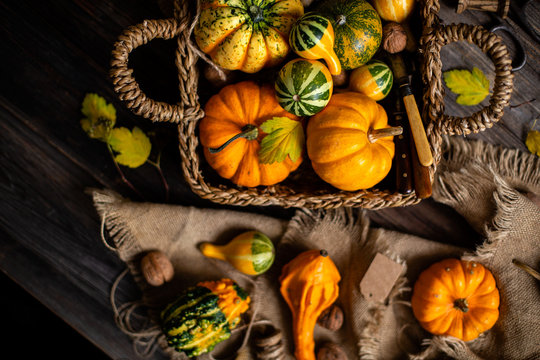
{"x":285,"y":137}
{"x":100,"y":117}
{"x":133,"y":147}
{"x":472,"y":87}
{"x":533,"y":142}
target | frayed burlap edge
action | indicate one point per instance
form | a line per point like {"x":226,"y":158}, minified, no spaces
{"x":457,"y":181}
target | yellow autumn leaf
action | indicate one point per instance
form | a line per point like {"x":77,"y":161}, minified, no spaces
{"x":285,"y":138}
{"x":132,"y":147}
{"x":100,"y":117}
{"x":533,"y":142}
{"x":472,"y":87}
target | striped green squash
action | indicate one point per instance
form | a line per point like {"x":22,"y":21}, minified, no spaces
{"x":312,"y":37}
{"x":358,"y":30}
{"x":203,"y":316}
{"x":373,"y":79}
{"x":304,"y":87}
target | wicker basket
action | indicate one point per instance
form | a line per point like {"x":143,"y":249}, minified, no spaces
{"x":188,"y":111}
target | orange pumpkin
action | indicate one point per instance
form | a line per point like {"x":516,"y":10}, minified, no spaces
{"x":456,"y":298}
{"x":349,"y":142}
{"x":231,"y":136}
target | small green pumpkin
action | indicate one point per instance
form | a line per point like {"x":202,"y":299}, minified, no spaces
{"x":204,"y":316}
{"x":304,"y":87}
{"x":358,"y":30}
{"x":373,"y":79}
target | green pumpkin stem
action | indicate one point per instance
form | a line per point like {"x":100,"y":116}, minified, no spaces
{"x":249,"y":132}
{"x":376,"y":134}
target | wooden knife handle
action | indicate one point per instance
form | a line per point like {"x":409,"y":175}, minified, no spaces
{"x":422,"y":182}
{"x":404,"y":175}
{"x":417,"y":130}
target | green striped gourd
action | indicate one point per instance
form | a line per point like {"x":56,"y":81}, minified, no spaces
{"x":357,"y":28}
{"x":312,"y":37}
{"x":203,"y":316}
{"x":251,"y":252}
{"x":373,"y":79}
{"x":304,"y":87}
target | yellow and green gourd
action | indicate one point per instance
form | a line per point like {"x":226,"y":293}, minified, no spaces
{"x":312,"y":37}
{"x":357,"y":28}
{"x":304,"y":87}
{"x":246,"y":35}
{"x":203,"y":316}
{"x":373,"y":79}
{"x":251,"y":253}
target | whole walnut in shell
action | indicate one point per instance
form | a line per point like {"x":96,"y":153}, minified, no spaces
{"x":394,"y":38}
{"x":156,"y":268}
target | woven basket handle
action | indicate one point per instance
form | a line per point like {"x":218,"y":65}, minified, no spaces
{"x":492,"y":45}
{"x":125,"y":84}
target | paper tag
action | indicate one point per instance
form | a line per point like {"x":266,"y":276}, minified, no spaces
{"x":380,"y":278}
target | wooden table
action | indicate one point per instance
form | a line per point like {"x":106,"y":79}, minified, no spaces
{"x":53,"y":53}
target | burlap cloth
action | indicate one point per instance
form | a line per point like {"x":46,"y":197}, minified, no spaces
{"x":485,"y":184}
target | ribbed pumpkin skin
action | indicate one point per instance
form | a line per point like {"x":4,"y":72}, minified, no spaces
{"x":394,"y":10}
{"x":312,"y":37}
{"x":373,"y":79}
{"x":439,"y":286}
{"x":226,"y":113}
{"x":338,"y":145}
{"x":304,"y":87}
{"x":203,"y":316}
{"x":251,"y":252}
{"x":357,"y":28}
{"x":246,"y":35}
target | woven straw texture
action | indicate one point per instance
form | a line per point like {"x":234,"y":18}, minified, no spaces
{"x":188,"y":111}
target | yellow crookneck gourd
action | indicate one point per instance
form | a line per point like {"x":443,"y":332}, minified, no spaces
{"x":309,"y":285}
{"x":312,"y":37}
{"x":251,"y":253}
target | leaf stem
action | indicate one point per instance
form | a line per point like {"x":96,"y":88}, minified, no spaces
{"x":157,"y":165}
{"x":124,"y":179}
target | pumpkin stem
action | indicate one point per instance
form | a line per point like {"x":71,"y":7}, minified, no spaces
{"x":461,"y":304}
{"x":341,"y":19}
{"x":376,"y":134}
{"x":256,"y":13}
{"x":249,"y":132}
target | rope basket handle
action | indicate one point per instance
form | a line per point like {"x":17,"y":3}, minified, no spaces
{"x":490,"y":44}
{"x":125,"y":84}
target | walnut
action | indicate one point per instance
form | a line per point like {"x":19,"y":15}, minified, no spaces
{"x":331,"y":318}
{"x":157,"y":268}
{"x":331,"y":351}
{"x":394,"y":38}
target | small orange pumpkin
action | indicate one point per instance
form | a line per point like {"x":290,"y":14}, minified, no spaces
{"x":231,"y":136}
{"x":349,"y":142}
{"x":456,"y":298}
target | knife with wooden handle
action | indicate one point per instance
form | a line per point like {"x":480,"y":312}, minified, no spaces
{"x":417,"y":127}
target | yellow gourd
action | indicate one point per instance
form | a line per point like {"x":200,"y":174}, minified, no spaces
{"x":309,"y":285}
{"x":251,"y":252}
